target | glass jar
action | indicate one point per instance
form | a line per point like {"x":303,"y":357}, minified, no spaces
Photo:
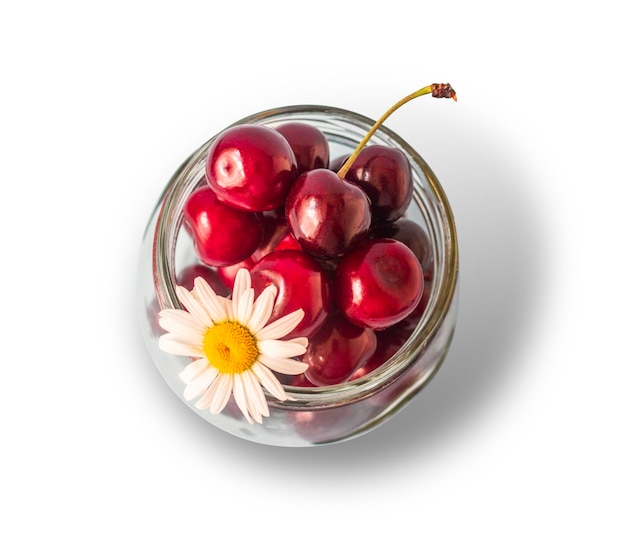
{"x":317,"y":415}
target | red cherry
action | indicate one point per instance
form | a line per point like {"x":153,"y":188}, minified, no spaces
{"x":384,"y":173}
{"x":309,"y":144}
{"x":188,"y":275}
{"x":288,"y":242}
{"x":390,"y":340}
{"x":413,"y":236}
{"x":301,"y":283}
{"x":379,"y":283}
{"x":337,"y":350}
{"x":337,"y":162}
{"x":251,"y":166}
{"x":228,"y":273}
{"x":222,"y":235}
{"x":327,"y":215}
{"x":274,"y":231}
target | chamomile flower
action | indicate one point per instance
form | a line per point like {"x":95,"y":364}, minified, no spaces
{"x":233,"y":349}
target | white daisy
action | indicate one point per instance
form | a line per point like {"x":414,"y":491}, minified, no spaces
{"x":233,"y":348}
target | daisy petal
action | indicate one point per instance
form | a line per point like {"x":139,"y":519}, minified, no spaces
{"x":229,"y":313}
{"x":200,"y":383}
{"x":172,"y":345}
{"x":242,"y":308}
{"x":242,"y":283}
{"x":205,"y":401}
{"x":210,"y":300}
{"x":193,"y":369}
{"x":223,"y":385}
{"x":239,"y":394}
{"x":285,"y":366}
{"x":256,"y":398}
{"x":300,"y":340}
{"x":269,"y":381}
{"x":194,"y":307}
{"x":281,"y":327}
{"x":182,"y":323}
{"x":172,"y":336}
{"x":275,"y":348}
{"x":262,"y":309}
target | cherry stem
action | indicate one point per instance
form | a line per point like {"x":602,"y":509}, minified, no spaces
{"x":438,"y":90}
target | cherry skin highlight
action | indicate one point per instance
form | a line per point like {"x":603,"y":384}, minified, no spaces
{"x":212,"y":225}
{"x":301,"y":283}
{"x":327,"y":215}
{"x":251,"y":167}
{"x":378,"y":284}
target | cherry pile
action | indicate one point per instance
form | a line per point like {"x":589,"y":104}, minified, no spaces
{"x":332,"y":236}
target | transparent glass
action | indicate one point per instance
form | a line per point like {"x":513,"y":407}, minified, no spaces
{"x":318,"y":415}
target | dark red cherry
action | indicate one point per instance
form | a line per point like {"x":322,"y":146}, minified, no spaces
{"x":301,"y":283}
{"x":337,"y":350}
{"x":227,"y":273}
{"x":274,"y":230}
{"x":251,"y":166}
{"x":327,"y":215}
{"x":222,"y":235}
{"x":412,"y":235}
{"x":384,"y":173}
{"x":188,"y":275}
{"x":337,"y":162}
{"x":390,"y":340}
{"x":378,"y":284}
{"x":309,"y":144}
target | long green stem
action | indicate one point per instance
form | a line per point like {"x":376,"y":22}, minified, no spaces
{"x":438,"y":90}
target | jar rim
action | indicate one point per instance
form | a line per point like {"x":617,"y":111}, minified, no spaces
{"x":169,"y":221}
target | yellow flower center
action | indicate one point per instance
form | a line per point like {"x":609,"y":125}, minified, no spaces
{"x":230,"y":347}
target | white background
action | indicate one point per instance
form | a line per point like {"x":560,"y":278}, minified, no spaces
{"x":521,"y":430}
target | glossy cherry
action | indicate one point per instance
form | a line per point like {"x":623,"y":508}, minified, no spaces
{"x":384,"y":173}
{"x":337,"y":350}
{"x":327,"y":215}
{"x":222,"y":235}
{"x":274,"y":230}
{"x":227,"y":273}
{"x":288,"y":242}
{"x":301,"y":283}
{"x":412,"y":235}
{"x":309,"y":144}
{"x":337,"y":162}
{"x":251,"y":166}
{"x":378,"y":284}
{"x":390,"y":340}
{"x":188,"y":275}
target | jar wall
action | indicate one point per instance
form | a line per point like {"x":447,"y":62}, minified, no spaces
{"x":321,"y":415}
